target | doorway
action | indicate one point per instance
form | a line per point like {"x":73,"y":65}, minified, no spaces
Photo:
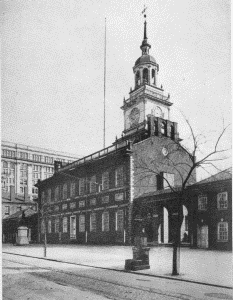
{"x":202,"y":236}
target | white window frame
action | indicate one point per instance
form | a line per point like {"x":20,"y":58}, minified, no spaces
{"x":105,"y":199}
{"x":105,"y":180}
{"x":121,"y":227}
{"x":64,"y":191}
{"x":201,"y":205}
{"x":49,"y":226}
{"x":119,"y":176}
{"x":93,"y":202}
{"x":93,"y":185}
{"x":82,"y":223}
{"x":57,"y":225}
{"x":219,"y":195}
{"x":81,"y":186}
{"x":73,"y":230}
{"x":93,"y":222}
{"x":72,"y":189}
{"x":81,"y":203}
{"x":65,"y":225}
{"x":224,"y":231}
{"x":105,"y":221}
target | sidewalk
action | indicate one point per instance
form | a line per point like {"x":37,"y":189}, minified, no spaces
{"x":206,"y":266}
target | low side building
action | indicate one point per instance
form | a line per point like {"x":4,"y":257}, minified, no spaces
{"x":211,"y":212}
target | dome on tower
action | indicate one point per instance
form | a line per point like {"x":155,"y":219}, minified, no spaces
{"x":146,"y":58}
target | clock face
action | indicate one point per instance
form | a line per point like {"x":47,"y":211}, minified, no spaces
{"x":134,"y":116}
{"x":165,"y":151}
{"x":157,"y":111}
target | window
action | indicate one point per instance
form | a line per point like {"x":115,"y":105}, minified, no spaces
{"x":23,"y":155}
{"x":202,"y":202}
{"x":119,"y":177}
{"x":93,"y":201}
{"x":72,"y":189}
{"x":93,"y":222}
{"x":72,"y":205}
{"x":42,"y":226}
{"x":49,"y":195}
{"x":119,"y":196}
{"x":105,"y":181}
{"x":105,"y":199}
{"x":81,"y":186}
{"x":164,"y":128}
{"x":73,"y":227}
{"x":56,"y":225}
{"x":165,"y":181}
{"x":145,"y":75}
{"x":222,"y":200}
{"x":81,"y":223}
{"x":82,"y":203}
{"x":64,"y":191}
{"x":56,"y":208}
{"x":222,"y":231}
{"x":56,"y":194}
{"x":64,"y":206}
{"x":7,"y":210}
{"x":36,"y":157}
{"x":18,"y":208}
{"x":64,"y":224}
{"x":43,"y":197}
{"x":120,"y":220}
{"x":105,"y":221}
{"x":93,"y":184}
{"x":49,"y":226}
{"x":48,"y":159}
{"x":35,"y":190}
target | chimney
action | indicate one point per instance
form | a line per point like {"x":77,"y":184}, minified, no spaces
{"x":12,"y":192}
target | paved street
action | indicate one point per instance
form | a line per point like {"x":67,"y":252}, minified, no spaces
{"x":213,"y":267}
{"x":33,"y":278}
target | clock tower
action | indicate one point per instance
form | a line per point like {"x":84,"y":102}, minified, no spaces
{"x":147,"y":110}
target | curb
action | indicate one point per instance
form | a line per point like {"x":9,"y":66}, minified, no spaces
{"x":124,"y":271}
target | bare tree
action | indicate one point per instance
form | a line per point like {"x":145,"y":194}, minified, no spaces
{"x":185,"y":169}
{"x":42,"y":215}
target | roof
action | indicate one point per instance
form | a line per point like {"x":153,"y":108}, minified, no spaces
{"x":223,"y":175}
{"x":18,"y":215}
{"x":145,"y":59}
{"x":6,"y":197}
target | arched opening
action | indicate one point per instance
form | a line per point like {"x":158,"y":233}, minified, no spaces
{"x":137,"y":79}
{"x":164,"y":128}
{"x":145,"y":76}
{"x":153,"y":76}
{"x":184,"y":230}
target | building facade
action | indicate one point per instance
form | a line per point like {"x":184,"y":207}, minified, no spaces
{"x":91,"y":199}
{"x":23,"y":165}
{"x":207,"y":210}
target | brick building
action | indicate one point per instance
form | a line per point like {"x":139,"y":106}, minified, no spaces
{"x":207,"y":209}
{"x":91,"y":199}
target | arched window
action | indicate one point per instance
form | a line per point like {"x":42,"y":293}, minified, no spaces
{"x":145,"y":76}
{"x":153,"y":76}
{"x":137,"y":79}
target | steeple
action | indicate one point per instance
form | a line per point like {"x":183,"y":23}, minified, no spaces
{"x":145,"y":46}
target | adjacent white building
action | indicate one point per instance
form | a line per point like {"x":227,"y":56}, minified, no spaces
{"x":23,"y":165}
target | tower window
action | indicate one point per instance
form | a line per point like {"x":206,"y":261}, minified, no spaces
{"x":137,"y":79}
{"x":153,"y":76}
{"x":145,"y":76}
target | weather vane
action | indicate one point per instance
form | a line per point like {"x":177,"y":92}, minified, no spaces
{"x":144,"y":10}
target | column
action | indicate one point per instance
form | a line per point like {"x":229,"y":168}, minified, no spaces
{"x":141,"y":76}
{"x":149,"y":75}
{"x":29,"y":179}
{"x":17,"y":178}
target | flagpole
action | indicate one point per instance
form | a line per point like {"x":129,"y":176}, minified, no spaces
{"x":105,"y":43}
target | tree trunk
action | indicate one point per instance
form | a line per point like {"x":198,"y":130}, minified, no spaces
{"x":45,"y":245}
{"x":176,"y":245}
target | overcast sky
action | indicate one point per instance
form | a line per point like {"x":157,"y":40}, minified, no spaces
{"x":53,"y":67}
